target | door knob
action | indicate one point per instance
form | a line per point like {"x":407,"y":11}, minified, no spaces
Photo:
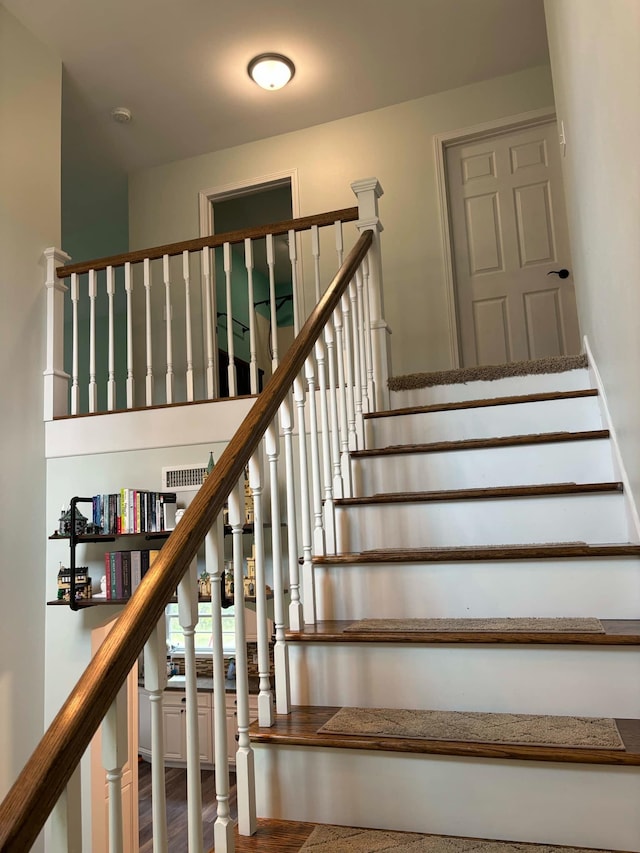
{"x":560,"y":273}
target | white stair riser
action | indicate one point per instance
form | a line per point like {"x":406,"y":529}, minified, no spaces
{"x":509,"y":521}
{"x":560,"y":462}
{"x":608,"y":588}
{"x":572,"y":804}
{"x":570,"y":415}
{"x":587,"y":681}
{"x":572,"y":380}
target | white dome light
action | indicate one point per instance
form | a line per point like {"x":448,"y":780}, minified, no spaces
{"x":271,"y":71}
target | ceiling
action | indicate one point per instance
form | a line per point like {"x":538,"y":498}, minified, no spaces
{"x":180,"y":65}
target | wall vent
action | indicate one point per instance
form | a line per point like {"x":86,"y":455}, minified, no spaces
{"x":183,"y":478}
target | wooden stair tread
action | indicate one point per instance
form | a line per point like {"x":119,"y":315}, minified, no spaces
{"x":482,"y":443}
{"x":617,"y":632}
{"x":300,"y":728}
{"x":488,"y":493}
{"x":485,"y":402}
{"x":470,"y":553}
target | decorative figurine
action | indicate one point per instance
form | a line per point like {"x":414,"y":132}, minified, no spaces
{"x":64,"y":524}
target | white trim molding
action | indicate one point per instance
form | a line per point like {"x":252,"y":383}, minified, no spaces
{"x":441,"y":142}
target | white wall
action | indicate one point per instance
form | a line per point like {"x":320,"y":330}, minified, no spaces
{"x":595,"y":59}
{"x":29,"y":221}
{"x":394,"y":144}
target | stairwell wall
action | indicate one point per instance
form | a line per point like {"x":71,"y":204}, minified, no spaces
{"x":595,"y":60}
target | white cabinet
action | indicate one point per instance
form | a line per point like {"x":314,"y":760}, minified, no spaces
{"x":174,"y":720}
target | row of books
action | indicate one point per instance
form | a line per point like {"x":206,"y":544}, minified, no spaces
{"x":135,"y":511}
{"x":124,"y":570}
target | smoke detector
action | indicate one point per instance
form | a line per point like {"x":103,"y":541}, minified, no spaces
{"x":121,"y":114}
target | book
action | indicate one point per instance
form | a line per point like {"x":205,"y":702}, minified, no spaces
{"x":136,"y":569}
{"x":107,"y":573}
{"x":126,"y":573}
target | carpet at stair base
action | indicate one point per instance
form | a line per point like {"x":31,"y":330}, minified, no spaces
{"x":477,"y":727}
{"x":345,"y":839}
{"x":533,"y":624}
{"x":487,"y":373}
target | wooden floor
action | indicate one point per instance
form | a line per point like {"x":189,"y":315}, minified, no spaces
{"x":300,"y":728}
{"x":275,"y":836}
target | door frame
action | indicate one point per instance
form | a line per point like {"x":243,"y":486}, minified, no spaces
{"x":441,"y":142}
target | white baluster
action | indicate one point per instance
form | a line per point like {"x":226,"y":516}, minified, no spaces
{"x":357,"y":377}
{"x":329,"y":334}
{"x":329,"y":518}
{"x":280,"y":650}
{"x":349,"y":379}
{"x":167,"y":320}
{"x":265,"y":699}
{"x":93,"y":385}
{"x":111,"y":382}
{"x":295,"y":604}
{"x":188,"y":618}
{"x":155,"y":682}
{"x":253,"y":357}
{"x":210,"y":308}
{"x":293,"y":257}
{"x":149,"y":349}
{"x":214,"y":561}
{"x":359,"y":314}
{"x":318,"y":540}
{"x":271,"y":265}
{"x":345,"y":465}
{"x":56,"y":381}
{"x":339,"y":242}
{"x":368,"y":192}
{"x":128,"y":286}
{"x":245,"y":769}
{"x":186,"y":275}
{"x":115,"y":753}
{"x":66,"y":817}
{"x":231,"y":369}
{"x":308,"y":591}
{"x":371,"y":387}
{"x":75,"y":388}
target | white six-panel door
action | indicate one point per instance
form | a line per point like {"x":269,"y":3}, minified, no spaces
{"x":509,"y":232}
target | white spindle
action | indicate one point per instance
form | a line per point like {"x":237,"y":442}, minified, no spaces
{"x":293,"y":257}
{"x":75,"y":388}
{"x":315,"y":251}
{"x":211,"y":325}
{"x":128,"y":286}
{"x":329,"y":334}
{"x":115,"y":753}
{"x":231,"y":369}
{"x":93,"y":385}
{"x":56,"y":387}
{"x":265,"y":699}
{"x":155,"y":682}
{"x":111,"y":382}
{"x":362,"y":349}
{"x":186,"y":275}
{"x":66,"y":817}
{"x":149,"y":349}
{"x":295,"y":604}
{"x":371,"y":388}
{"x":245,"y":769}
{"x":349,"y":379}
{"x":280,"y":650}
{"x":188,"y":618}
{"x":357,"y":377}
{"x":253,"y":357}
{"x":271,"y":265}
{"x":214,"y":561}
{"x":316,"y":487}
{"x":345,"y":465}
{"x":339,"y":242}
{"x":308,"y":591}
{"x":168,"y":327}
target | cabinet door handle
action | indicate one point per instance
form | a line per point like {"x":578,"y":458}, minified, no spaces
{"x":184,"y":699}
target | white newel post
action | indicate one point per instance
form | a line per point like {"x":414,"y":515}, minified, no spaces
{"x":368,"y":191}
{"x":56,"y":381}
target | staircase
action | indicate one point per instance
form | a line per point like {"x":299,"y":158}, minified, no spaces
{"x":477,"y":501}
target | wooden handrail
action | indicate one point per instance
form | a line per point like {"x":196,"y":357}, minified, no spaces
{"x":42,"y":781}
{"x":347,"y":214}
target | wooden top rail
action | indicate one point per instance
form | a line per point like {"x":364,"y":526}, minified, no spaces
{"x":44,"y":777}
{"x":347,"y":214}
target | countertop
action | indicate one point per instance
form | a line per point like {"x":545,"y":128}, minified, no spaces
{"x":205,"y":684}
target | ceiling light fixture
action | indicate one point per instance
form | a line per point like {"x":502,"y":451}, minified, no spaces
{"x":121,"y":114}
{"x":271,"y":71}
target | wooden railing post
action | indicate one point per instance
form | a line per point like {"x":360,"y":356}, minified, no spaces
{"x":56,"y":381}
{"x":368,"y":191}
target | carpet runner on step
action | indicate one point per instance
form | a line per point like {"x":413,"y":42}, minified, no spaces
{"x":513,"y":625}
{"x":477,"y":727}
{"x":345,"y":839}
